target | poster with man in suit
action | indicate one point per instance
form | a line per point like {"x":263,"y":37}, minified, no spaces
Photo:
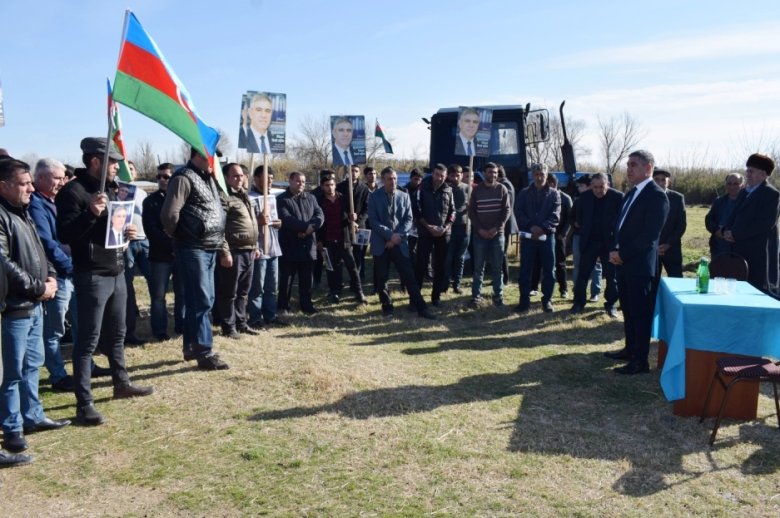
{"x":263,"y":122}
{"x":474,"y":128}
{"x":348,"y":139}
{"x":120,"y":214}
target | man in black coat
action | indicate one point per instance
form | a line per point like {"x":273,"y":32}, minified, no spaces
{"x":670,"y":242}
{"x":360,"y":214}
{"x":635,"y":253}
{"x":301,"y":217}
{"x":720,"y":212}
{"x":754,"y":221}
{"x":597,"y":214}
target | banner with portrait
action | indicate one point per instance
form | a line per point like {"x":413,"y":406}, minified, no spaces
{"x":263,"y":123}
{"x":473,"y":133}
{"x":120,"y":214}
{"x":348,"y":139}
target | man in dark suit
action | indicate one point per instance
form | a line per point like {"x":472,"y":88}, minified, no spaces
{"x":258,"y":139}
{"x":343,"y":152}
{"x":720,"y":213}
{"x":597,"y":214}
{"x":754,"y":221}
{"x":116,"y":236}
{"x":670,"y":242}
{"x":360,"y":214}
{"x":468,"y":125}
{"x":635,"y":253}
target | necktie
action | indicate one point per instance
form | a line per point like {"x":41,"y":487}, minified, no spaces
{"x":626,"y":205}
{"x":469,"y":152}
{"x":263,"y":147}
{"x":346,"y":158}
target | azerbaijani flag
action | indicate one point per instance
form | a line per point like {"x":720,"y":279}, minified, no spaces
{"x":146,"y":83}
{"x":116,"y":136}
{"x":381,"y":134}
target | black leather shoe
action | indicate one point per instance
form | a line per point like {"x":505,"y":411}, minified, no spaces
{"x":387,"y":311}
{"x":457,"y":290}
{"x":425,"y":313}
{"x":212,"y":363}
{"x":577,"y":309}
{"x":547,"y":307}
{"x":46,"y":424}
{"x":130,"y":390}
{"x":632,"y":368}
{"x":250,"y":330}
{"x":162,"y":337}
{"x":100,"y":372}
{"x":134,"y":341}
{"x":9,"y":460}
{"x":231,"y":333}
{"x":14,"y":442}
{"x":622,"y":354}
{"x":278,"y":323}
{"x":63,"y":385}
{"x":88,"y":415}
{"x":522,"y":308}
{"x":310,"y":310}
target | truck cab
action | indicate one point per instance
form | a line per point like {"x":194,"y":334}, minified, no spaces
{"x":513,"y":128}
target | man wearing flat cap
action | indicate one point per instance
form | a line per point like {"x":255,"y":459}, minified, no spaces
{"x":753,"y":223}
{"x":670,"y":242}
{"x":99,"y":283}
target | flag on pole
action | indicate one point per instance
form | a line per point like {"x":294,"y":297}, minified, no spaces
{"x":381,"y":134}
{"x":146,"y":83}
{"x":116,"y":136}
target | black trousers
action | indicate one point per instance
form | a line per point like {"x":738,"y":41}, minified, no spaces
{"x":404,"y":266}
{"x":671,"y":261}
{"x":437,"y":245}
{"x":636,"y":301}
{"x":287,"y":271}
{"x":560,"y":267}
{"x":339,"y":254}
{"x":232,"y":290}
{"x":101,"y":302}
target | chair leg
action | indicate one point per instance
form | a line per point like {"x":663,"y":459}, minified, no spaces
{"x":777,"y":404}
{"x":720,"y":410}
{"x":707,"y":399}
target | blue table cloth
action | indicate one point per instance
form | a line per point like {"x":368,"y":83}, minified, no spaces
{"x":746,"y":322}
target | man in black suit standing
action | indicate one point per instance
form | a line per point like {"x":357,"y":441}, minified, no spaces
{"x":635,"y":253}
{"x":598,"y":209}
{"x":754,"y":221}
{"x":670,"y":242}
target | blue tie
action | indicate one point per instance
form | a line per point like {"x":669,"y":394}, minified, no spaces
{"x":263,"y":147}
{"x":346,"y":158}
{"x":469,"y":152}
{"x":626,"y":205}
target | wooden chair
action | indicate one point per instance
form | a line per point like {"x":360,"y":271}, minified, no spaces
{"x":729,"y":265}
{"x":733,"y":370}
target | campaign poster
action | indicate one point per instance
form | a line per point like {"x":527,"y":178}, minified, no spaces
{"x":120,"y":214}
{"x":474,"y":127}
{"x":263,"y":122}
{"x":348,"y":139}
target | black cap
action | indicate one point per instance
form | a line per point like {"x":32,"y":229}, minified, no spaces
{"x":762,"y":162}
{"x":97,"y":146}
{"x":663,"y":172}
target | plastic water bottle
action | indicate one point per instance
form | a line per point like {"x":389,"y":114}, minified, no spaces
{"x":703,"y":276}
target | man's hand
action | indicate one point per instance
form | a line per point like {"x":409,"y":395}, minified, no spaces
{"x":98,"y":203}
{"x":536,"y":232}
{"x":728,"y":236}
{"x":256,"y":254}
{"x":261,"y":221}
{"x":319,"y":246}
{"x":614,"y":258}
{"x":226,"y":261}
{"x":662,"y":249}
{"x":51,"y":289}
{"x":131,"y":231}
{"x":277,"y":223}
{"x":395,"y":239}
{"x":310,"y":230}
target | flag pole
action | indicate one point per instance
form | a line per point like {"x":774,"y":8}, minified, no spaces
{"x":104,"y":172}
{"x":266,"y":212}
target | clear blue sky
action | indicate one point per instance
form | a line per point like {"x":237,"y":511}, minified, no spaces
{"x":703,"y":77}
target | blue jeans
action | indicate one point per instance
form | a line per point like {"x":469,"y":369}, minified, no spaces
{"x":529,"y":248}
{"x":197,"y":267}
{"x":494,"y":249}
{"x":262,"y":293}
{"x":22,"y":342}
{"x":161,"y":273}
{"x":54,"y":328}
{"x":453,"y":265}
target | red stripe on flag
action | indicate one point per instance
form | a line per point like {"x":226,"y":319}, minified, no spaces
{"x":138,"y":63}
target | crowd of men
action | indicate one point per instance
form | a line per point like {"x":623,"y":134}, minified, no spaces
{"x":232,"y":256}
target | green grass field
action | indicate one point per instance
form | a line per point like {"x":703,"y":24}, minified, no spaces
{"x":481,"y":413}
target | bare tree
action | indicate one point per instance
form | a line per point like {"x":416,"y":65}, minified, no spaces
{"x":311,"y":146}
{"x":145,"y":161}
{"x":618,"y":136}
{"x":550,"y":152}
